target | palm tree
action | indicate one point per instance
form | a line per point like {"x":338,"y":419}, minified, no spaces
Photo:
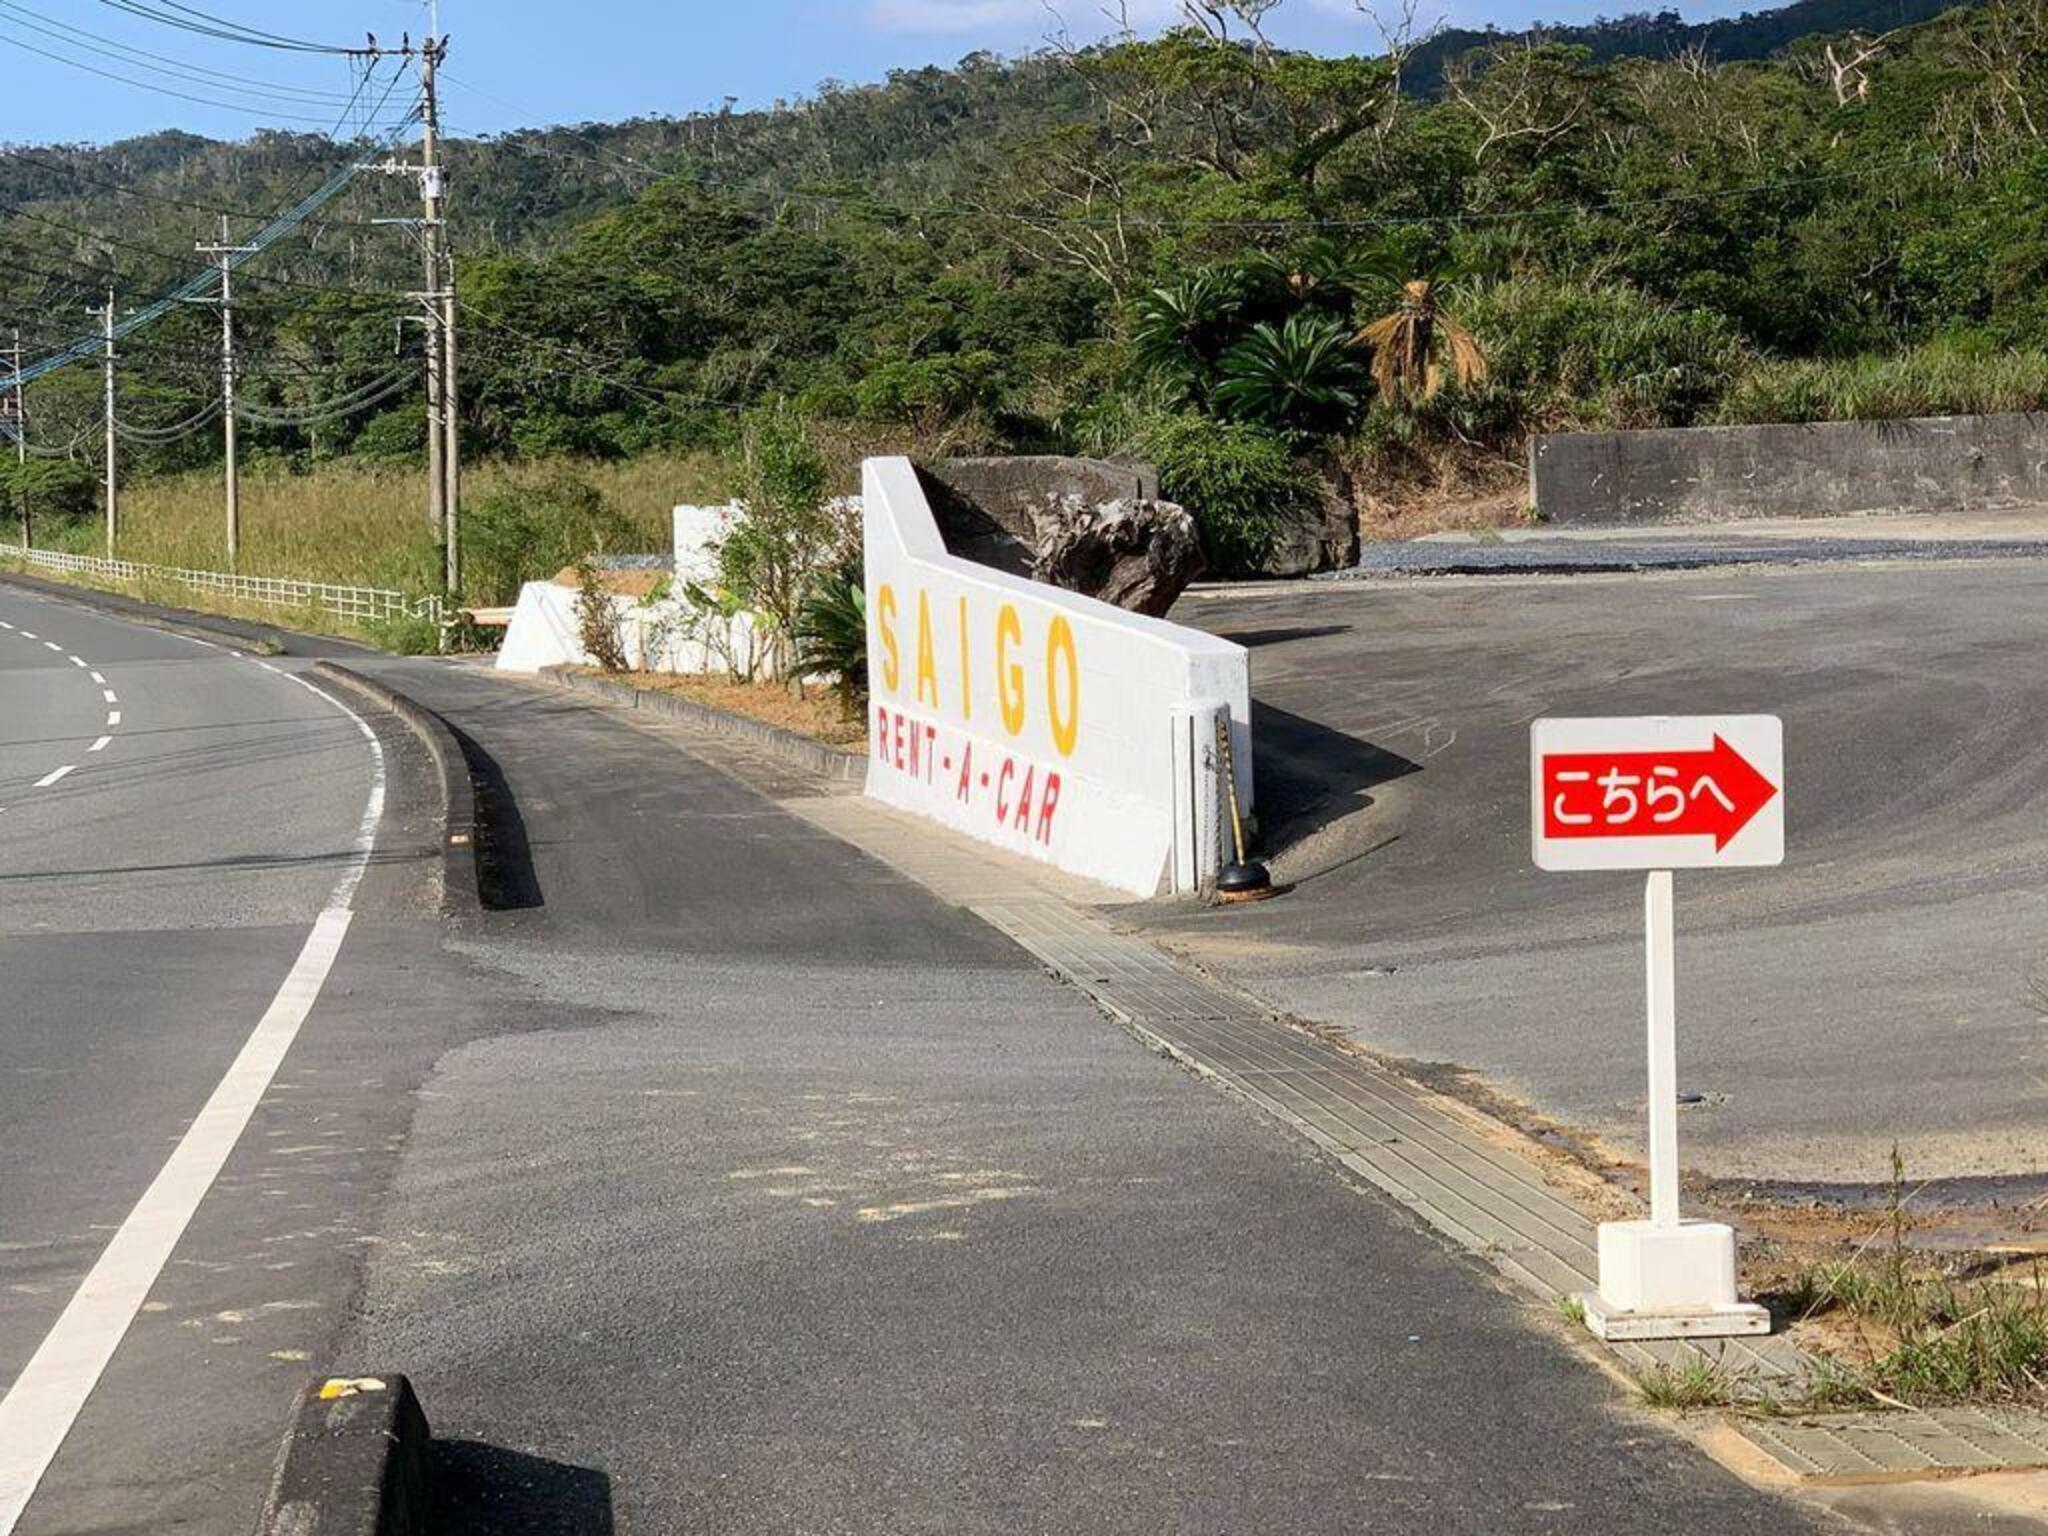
{"x":1417,"y":348}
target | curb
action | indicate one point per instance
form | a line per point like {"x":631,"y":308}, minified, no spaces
{"x":355,"y":1462}
{"x":460,"y":897}
{"x":831,"y":762}
{"x":252,"y":637}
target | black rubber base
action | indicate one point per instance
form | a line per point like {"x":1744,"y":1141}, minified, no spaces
{"x":1245,"y":882}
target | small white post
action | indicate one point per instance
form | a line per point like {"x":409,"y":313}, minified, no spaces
{"x":1197,"y":795}
{"x":1660,"y":947}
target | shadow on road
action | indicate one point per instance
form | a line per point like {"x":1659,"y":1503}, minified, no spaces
{"x":1310,"y":776}
{"x":485,"y":1490}
{"x":1253,"y":639}
{"x":504,"y":859}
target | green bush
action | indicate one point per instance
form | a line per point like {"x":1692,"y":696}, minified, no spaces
{"x":528,"y":533}
{"x":1949,"y":378}
{"x":1239,"y":481}
{"x":832,"y":634}
{"x":1566,"y":354}
{"x":57,"y":488}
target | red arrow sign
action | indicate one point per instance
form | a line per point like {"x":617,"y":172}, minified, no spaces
{"x":1714,"y":794}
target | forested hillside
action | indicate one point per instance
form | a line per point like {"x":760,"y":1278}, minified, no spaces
{"x":1200,"y":248}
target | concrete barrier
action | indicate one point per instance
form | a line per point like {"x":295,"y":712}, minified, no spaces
{"x":1708,"y":474}
{"x":1034,"y":718}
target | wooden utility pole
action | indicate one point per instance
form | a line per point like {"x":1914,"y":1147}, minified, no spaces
{"x":113,"y":484}
{"x":21,"y":440}
{"x":226,"y":255}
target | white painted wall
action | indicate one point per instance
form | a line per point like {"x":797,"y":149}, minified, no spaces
{"x":1027,"y":716}
{"x":544,"y":632}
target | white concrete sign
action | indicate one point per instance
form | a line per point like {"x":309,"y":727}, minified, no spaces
{"x":1024,"y":715}
{"x":1658,"y":792}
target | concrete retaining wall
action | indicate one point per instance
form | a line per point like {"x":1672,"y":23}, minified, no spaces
{"x":1024,"y":715}
{"x":1707,"y":474}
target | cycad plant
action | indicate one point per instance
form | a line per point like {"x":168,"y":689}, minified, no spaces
{"x":1178,"y":332}
{"x":1301,"y":377}
{"x":1417,"y":348}
{"x":832,"y":634}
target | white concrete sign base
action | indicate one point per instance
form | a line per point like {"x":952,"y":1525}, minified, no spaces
{"x":1668,"y":1281}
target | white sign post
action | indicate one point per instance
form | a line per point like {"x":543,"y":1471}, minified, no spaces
{"x":1661,"y":793}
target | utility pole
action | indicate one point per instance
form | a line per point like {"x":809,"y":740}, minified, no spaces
{"x":431,"y":245}
{"x":113,"y":488}
{"x":437,"y":300}
{"x":441,"y":287}
{"x":21,"y":439}
{"x":227,"y":254}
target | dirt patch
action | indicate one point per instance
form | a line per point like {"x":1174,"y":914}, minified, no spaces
{"x":1415,"y":494}
{"x":813,"y":712}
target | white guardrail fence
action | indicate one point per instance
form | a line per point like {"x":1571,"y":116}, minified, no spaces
{"x":361,"y":604}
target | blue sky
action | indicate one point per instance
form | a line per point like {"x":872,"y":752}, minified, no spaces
{"x":522,"y":62}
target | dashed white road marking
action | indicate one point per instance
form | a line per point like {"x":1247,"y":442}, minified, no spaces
{"x":38,"y":1410}
{"x":76,"y":661}
{"x":52,"y":777}
{"x":109,"y":695}
{"x":27,"y":634}
{"x":113,"y":717}
{"x":100,"y":745}
{"x":97,"y":678}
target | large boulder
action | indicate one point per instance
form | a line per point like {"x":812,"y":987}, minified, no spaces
{"x":1139,"y":555}
{"x":1320,"y":532}
{"x":1087,"y":525}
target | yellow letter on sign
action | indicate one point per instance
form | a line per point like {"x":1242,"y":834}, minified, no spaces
{"x":1060,"y":658}
{"x":1009,"y":676}
{"x":885,"y":621}
{"x":927,"y":654}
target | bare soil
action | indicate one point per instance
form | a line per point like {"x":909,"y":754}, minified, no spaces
{"x":813,"y":712}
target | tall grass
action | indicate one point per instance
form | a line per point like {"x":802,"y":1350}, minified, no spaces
{"x":365,"y":526}
{"x":1940,"y":379}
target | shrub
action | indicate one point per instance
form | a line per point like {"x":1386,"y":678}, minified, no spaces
{"x":832,"y":634}
{"x":1571,"y":354}
{"x":788,"y":536}
{"x":1946,"y":378}
{"x":1238,"y":480}
{"x":597,"y":620}
{"x":55,"y":487}
{"x":529,"y":532}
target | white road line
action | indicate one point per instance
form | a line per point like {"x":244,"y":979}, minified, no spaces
{"x":27,"y":635}
{"x":5,"y":625}
{"x":76,"y":661}
{"x":97,"y":678}
{"x":113,"y":717}
{"x":52,"y":777}
{"x":51,"y":645}
{"x":38,"y":1411}
{"x":108,"y":695}
{"x":100,"y":745}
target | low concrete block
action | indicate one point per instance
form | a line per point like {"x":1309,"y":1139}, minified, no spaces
{"x":355,"y":1462}
{"x":1819,"y":469}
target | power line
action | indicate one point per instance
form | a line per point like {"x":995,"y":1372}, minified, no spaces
{"x":207,"y":25}
{"x":157,"y":63}
{"x":161,"y":90}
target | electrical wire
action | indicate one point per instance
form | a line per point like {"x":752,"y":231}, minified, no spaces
{"x":208,"y":25}
{"x":159,"y":436}
{"x":157,"y":63}
{"x":353,"y":403}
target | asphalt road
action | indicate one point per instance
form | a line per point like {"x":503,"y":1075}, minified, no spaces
{"x":153,"y":900}
{"x":1882,"y":986}
{"x":721,"y":1181}
{"x":814,"y":1206}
